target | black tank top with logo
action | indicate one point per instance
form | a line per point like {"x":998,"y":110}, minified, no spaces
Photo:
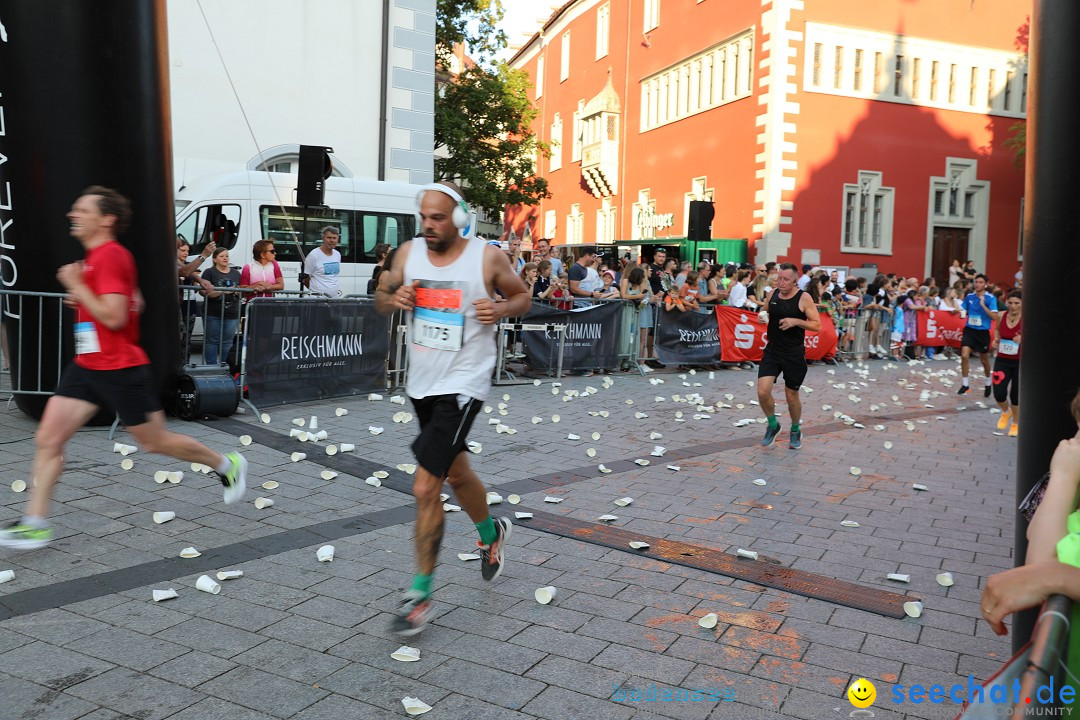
{"x":791,"y":341}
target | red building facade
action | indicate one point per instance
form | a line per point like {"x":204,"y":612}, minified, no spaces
{"x":834,"y":132}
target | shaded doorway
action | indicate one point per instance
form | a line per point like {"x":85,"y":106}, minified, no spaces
{"x":950,"y":244}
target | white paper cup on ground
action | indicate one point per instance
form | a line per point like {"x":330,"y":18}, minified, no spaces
{"x":415,"y":706}
{"x":163,"y":517}
{"x":161,"y":476}
{"x":245,"y":440}
{"x":296,"y":432}
{"x":189,"y":552}
{"x":160,"y":595}
{"x":341,"y":411}
{"x":175,"y":477}
{"x":331,"y":450}
{"x":262,"y":503}
{"x":270,"y":485}
{"x":913,"y":608}
{"x":328,"y":474}
{"x":321,"y":435}
{"x":207,"y":584}
{"x":708,"y":621}
{"x":299,"y":422}
{"x":313,"y":423}
{"x":6,"y":576}
{"x":127,"y":463}
{"x":513,"y":499}
{"x":545,"y":594}
{"x":265,"y":417}
{"x":406,"y":654}
{"x":230,"y":574}
{"x":346,"y":447}
{"x":298,"y":456}
{"x":325,"y":553}
{"x":945,"y":579}
{"x":18,"y":486}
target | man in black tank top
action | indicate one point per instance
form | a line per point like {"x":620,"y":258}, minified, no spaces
{"x":791,"y":313}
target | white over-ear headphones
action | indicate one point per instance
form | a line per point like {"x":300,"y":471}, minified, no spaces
{"x":460,"y":217}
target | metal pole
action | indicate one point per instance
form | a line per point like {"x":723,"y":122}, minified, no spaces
{"x":1049,"y":373}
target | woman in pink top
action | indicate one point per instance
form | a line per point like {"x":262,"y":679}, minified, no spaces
{"x":264,"y":275}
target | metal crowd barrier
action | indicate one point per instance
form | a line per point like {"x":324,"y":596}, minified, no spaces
{"x":860,"y":337}
{"x":45,"y":313}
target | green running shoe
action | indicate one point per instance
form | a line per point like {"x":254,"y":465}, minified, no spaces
{"x":20,"y":536}
{"x":235,"y":480}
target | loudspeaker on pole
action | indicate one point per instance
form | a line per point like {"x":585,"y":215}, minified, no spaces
{"x":699,"y":229}
{"x":315,"y":168}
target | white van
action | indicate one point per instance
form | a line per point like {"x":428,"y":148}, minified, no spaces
{"x":237,"y":209}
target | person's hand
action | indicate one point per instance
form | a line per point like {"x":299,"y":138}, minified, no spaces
{"x":788,"y":323}
{"x":206,"y":284}
{"x":487,"y":312}
{"x":71,"y":276}
{"x":1066,"y":460}
{"x":1017,"y":589}
{"x":208,"y":250}
{"x":405,"y":296}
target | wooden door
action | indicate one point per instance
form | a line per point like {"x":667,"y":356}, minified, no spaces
{"x":949,"y":244}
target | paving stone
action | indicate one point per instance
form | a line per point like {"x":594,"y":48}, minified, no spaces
{"x":484,"y":683}
{"x":580,"y":677}
{"x":262,"y":691}
{"x":714,"y":654}
{"x":561,"y":704}
{"x":613,"y":631}
{"x":472,"y":621}
{"x":569,"y":645}
{"x":25,"y":699}
{"x":192,"y":669}
{"x":211,"y":637}
{"x":337,"y":707}
{"x":51,"y":666}
{"x":216,"y":709}
{"x":136,"y":694}
{"x":123,"y":647}
{"x":385,"y":690}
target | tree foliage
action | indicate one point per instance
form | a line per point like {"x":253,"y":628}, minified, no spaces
{"x":1018,"y":142}
{"x":483,"y":117}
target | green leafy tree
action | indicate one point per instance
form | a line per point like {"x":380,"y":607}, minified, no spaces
{"x":1018,"y":142}
{"x":483,"y":117}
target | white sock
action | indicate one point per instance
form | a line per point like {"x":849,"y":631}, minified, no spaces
{"x":35,"y":522}
{"x":988,"y":382}
{"x":225,"y":466}
{"x":964,"y":381}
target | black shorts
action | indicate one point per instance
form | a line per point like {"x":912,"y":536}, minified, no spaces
{"x":977,"y":340}
{"x":1006,"y":379}
{"x":791,"y":366}
{"x":443,"y":429}
{"x":129,"y":392}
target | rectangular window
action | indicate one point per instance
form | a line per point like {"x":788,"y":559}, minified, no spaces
{"x":933,"y":80}
{"x":1023,"y":95}
{"x":858,"y":70}
{"x":540,"y":77}
{"x":969,"y":204}
{"x":916,"y":65}
{"x":284,"y":228}
{"x":991,"y":77}
{"x":898,"y":76}
{"x":973,"y":87}
{"x":875,"y":235}
{"x":879,"y":73}
{"x":864,"y":217}
{"x":575,"y":147}
{"x":838,"y":67}
{"x":939,"y":202}
{"x":954,"y":196}
{"x":849,"y":216}
{"x":603,"y":30}
{"x":549,"y":224}
{"x":1009,"y":77}
{"x":652,"y":15}
{"x":817,"y":65}
{"x":952,"y":83}
{"x":867,"y":223}
{"x":555,"y":161}
{"x":564,"y":70}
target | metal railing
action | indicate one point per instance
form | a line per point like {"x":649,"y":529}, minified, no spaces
{"x":36,"y":349}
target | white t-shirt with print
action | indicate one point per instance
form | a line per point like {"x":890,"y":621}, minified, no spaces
{"x":325,"y":271}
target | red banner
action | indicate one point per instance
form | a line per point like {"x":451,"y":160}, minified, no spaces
{"x":939,"y":328}
{"x":743,"y":337}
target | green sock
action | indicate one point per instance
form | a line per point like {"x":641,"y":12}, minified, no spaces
{"x":773,"y":422}
{"x":796,"y":427}
{"x":488,"y":534}
{"x":422,"y":583}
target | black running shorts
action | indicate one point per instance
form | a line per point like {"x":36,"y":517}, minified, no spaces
{"x":129,"y":392}
{"x":977,"y":340}
{"x":792,"y":367}
{"x":1006,"y":379}
{"x":444,"y":425}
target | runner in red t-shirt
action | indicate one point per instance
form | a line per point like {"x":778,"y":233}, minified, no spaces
{"x":110,"y":369}
{"x":1006,"y":375}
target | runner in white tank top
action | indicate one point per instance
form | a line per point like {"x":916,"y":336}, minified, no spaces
{"x":446,"y":285}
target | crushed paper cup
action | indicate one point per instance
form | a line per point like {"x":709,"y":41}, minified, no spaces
{"x":676,"y":468}
{"x":245,"y":440}
{"x":523,"y":515}
{"x":381,"y":474}
{"x":494,"y":498}
{"x":945,"y":579}
{"x":328,"y":474}
{"x":161,"y":476}
{"x":545,"y":594}
{"x":160,"y":595}
{"x":375,"y":430}
{"x":748,"y":554}
{"x":917,"y":486}
{"x":899,"y":577}
{"x":374,"y":397}
{"x":658,"y":451}
{"x":265,"y":417}
{"x":341,"y":411}
{"x":373,"y":481}
{"x":550,"y":499}
{"x":761,"y":482}
{"x":176,"y":476}
{"x":127,"y":463}
{"x":608,"y":518}
{"x":207,"y":584}
{"x":849,"y":523}
{"x":298,"y":456}
{"x":474,"y":447}
{"x":913,"y":608}
{"x":466,"y":557}
{"x":407,"y":468}
{"x":18,"y":486}
{"x":6,"y":576}
{"x":624,"y":501}
{"x":536,"y":382}
{"x":572,"y":436}
{"x":224,"y":575}
{"x":536,"y":420}
{"x":603,"y":468}
{"x":406,"y":654}
{"x":642,"y":461}
{"x":415,"y":706}
{"x":708,"y":621}
{"x":299,"y":422}
{"x":189,"y":552}
{"x":513,"y":499}
{"x":639,"y":545}
{"x":448,"y":507}
{"x":262,"y":503}
{"x":163,"y":517}
{"x":604,"y":413}
{"x":325,"y":553}
{"x":443,"y":497}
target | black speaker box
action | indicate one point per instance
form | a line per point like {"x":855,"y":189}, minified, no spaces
{"x":701,"y":217}
{"x":315,"y":167}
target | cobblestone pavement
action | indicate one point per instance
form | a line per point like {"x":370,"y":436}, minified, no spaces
{"x":80,"y":636}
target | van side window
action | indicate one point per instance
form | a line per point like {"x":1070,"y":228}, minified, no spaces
{"x":220,"y":223}
{"x":286,"y":225}
{"x":376,"y":228}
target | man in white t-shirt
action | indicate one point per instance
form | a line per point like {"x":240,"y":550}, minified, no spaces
{"x":323,"y":265}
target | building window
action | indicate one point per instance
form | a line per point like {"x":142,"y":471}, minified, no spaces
{"x":990,"y":80}
{"x":564,"y":69}
{"x":838,"y":67}
{"x":879,"y":73}
{"x":898,"y":76}
{"x":540,"y":77}
{"x":652,"y":15}
{"x":574,"y":225}
{"x":603,"y":30}
{"x":933,"y":80}
{"x":858,"y":70}
{"x":717,"y":76}
{"x":973,"y":89}
{"x":952,"y":83}
{"x":1020,"y":238}
{"x":575,"y":147}
{"x":1009,"y":77}
{"x":555,"y":162}
{"x":867,"y":215}
{"x":1023,"y":95}
{"x":817,"y":65}
{"x":969,"y":204}
{"x":916,"y":65}
{"x":605,"y":223}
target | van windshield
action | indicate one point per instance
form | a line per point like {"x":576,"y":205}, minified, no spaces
{"x":361,"y":231}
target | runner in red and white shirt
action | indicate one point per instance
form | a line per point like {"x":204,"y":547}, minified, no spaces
{"x":1006,"y":375}
{"x":110,"y":369}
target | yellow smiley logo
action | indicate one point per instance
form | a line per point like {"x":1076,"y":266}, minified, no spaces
{"x":862,"y":693}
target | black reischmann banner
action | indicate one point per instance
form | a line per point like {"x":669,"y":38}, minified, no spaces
{"x":687,"y":338}
{"x":591,"y":335}
{"x":300,"y":350}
